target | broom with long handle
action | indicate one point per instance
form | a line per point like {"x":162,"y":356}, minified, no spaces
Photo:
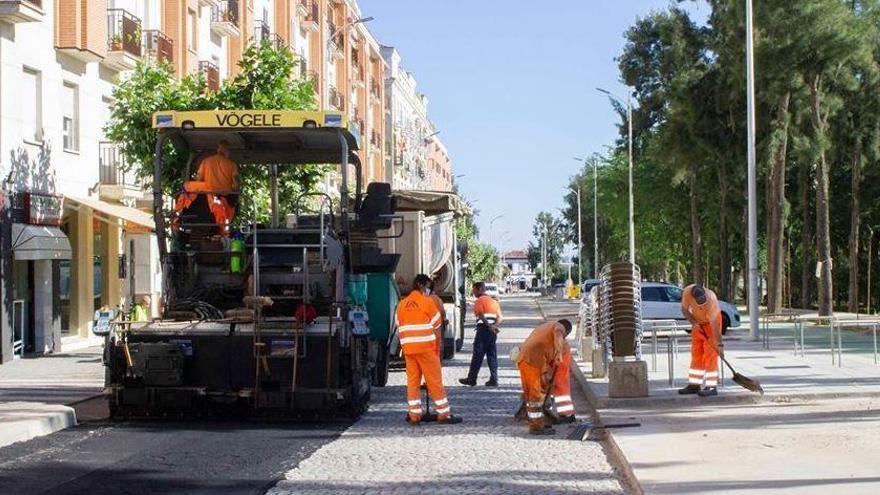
{"x":743,"y":381}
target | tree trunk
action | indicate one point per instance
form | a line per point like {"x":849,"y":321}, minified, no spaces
{"x":823,"y":230}
{"x":854,"y":234}
{"x":723,"y":238}
{"x":776,"y":208}
{"x":806,"y":237}
{"x":696,"y":232}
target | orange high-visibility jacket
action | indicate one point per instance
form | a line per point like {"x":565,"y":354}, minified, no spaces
{"x":488,"y":308}
{"x":543,"y":346}
{"x":219,"y":173}
{"x":706,"y":315}
{"x":417,"y":320}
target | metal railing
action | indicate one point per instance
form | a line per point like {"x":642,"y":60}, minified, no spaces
{"x":112,"y":167}
{"x":123,"y":32}
{"x":212,"y":74}
{"x":261,"y":31}
{"x":158,"y":46}
{"x":375,"y":138}
{"x":375,"y":88}
{"x":336,"y":99}
{"x":314,"y":14}
{"x":226,"y":12}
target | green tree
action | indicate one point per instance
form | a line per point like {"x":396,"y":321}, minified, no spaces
{"x":265,"y":81}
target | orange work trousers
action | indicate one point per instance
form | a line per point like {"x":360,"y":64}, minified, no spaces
{"x":427,"y":365}
{"x":533,"y":393}
{"x":704,"y":359}
{"x":562,"y":386}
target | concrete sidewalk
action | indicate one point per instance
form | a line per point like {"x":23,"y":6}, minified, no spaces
{"x":815,"y":430}
{"x":36,"y":393}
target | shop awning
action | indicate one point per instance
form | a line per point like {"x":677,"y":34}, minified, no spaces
{"x":37,"y":242}
{"x":105,"y":209}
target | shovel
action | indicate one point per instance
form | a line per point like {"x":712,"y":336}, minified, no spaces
{"x":743,"y":381}
{"x":583,"y":430}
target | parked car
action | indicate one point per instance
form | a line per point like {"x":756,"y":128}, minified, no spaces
{"x":587,"y":286}
{"x":492,"y":291}
{"x":662,"y":301}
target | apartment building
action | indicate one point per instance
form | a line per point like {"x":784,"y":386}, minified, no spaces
{"x":439,"y":165}
{"x":77,"y":233}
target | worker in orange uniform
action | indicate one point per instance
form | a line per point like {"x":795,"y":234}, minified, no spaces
{"x":487,"y":311}
{"x":700,"y":306}
{"x":417,"y":321}
{"x":540,"y":357}
{"x":562,"y":387}
{"x":218,"y":179}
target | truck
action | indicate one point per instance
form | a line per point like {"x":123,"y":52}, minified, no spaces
{"x":285,"y":312}
{"x":426,"y":244}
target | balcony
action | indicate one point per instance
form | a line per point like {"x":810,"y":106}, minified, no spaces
{"x":15,"y":11}
{"x":302,"y":8}
{"x":337,"y":101}
{"x":117,"y":182}
{"x":224,"y":19}
{"x":123,"y":39}
{"x":336,"y":51}
{"x":212,"y":75}
{"x":376,"y":138}
{"x":375,"y":90}
{"x":210,"y":3}
{"x":158,"y":48}
{"x":312,"y":17}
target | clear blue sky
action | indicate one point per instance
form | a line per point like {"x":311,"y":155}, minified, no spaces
{"x":511,"y":86}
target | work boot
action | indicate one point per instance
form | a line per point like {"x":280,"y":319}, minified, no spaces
{"x":565,"y":420}
{"x":450,"y":420}
{"x":492,"y":383}
{"x":690,"y":389}
{"x":412,"y":421}
{"x":543,"y":431}
{"x":467,"y":381}
{"x":708,"y":392}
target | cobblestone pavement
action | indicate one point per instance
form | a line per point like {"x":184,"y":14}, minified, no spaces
{"x":487,"y":454}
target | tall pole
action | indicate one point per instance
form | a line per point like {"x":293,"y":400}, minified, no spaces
{"x":580,"y":239}
{"x":595,"y":218}
{"x":632,"y":228}
{"x":752,"y":186}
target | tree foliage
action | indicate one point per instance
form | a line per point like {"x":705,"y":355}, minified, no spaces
{"x":817,"y":140}
{"x":264,"y":81}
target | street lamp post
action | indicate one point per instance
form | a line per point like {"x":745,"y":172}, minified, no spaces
{"x":752,"y":181}
{"x":595,"y":214}
{"x":490,"y":226}
{"x":632,"y":229}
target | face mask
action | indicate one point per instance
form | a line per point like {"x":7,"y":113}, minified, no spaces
{"x":426,"y":291}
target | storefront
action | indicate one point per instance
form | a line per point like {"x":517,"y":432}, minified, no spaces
{"x":38,"y":247}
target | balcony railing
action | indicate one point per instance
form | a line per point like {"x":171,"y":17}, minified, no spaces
{"x":123,"y":32}
{"x":212,"y":75}
{"x":375,"y":138}
{"x":375,"y":88}
{"x":112,"y":167}
{"x":261,"y":31}
{"x":336,"y":99}
{"x":157,"y":46}
{"x":226,"y":12}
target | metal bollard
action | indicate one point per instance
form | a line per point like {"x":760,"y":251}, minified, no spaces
{"x":670,"y":361}
{"x":840,"y":346}
{"x":831,"y":333}
{"x":803,"y":349}
{"x":874,"y":327}
{"x":654,"y":348}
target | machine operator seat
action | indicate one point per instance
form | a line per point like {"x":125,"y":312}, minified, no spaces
{"x":378,"y":206}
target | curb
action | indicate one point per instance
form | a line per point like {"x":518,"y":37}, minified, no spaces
{"x":627,"y":475}
{"x":22,"y":421}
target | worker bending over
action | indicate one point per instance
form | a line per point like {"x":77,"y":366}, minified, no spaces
{"x":700,"y":306}
{"x":417,"y":323}
{"x":539,"y":359}
{"x":487,"y":311}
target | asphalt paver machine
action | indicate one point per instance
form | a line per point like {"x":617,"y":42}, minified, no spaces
{"x":261,"y":317}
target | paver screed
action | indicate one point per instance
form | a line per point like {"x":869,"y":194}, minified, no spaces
{"x":489,"y":453}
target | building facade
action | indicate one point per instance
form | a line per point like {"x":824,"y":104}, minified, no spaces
{"x":77,"y":234}
{"x":518,"y":275}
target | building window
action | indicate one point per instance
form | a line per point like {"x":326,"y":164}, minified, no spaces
{"x":70,"y":117}
{"x":191,"y":33}
{"x":31,"y":105}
